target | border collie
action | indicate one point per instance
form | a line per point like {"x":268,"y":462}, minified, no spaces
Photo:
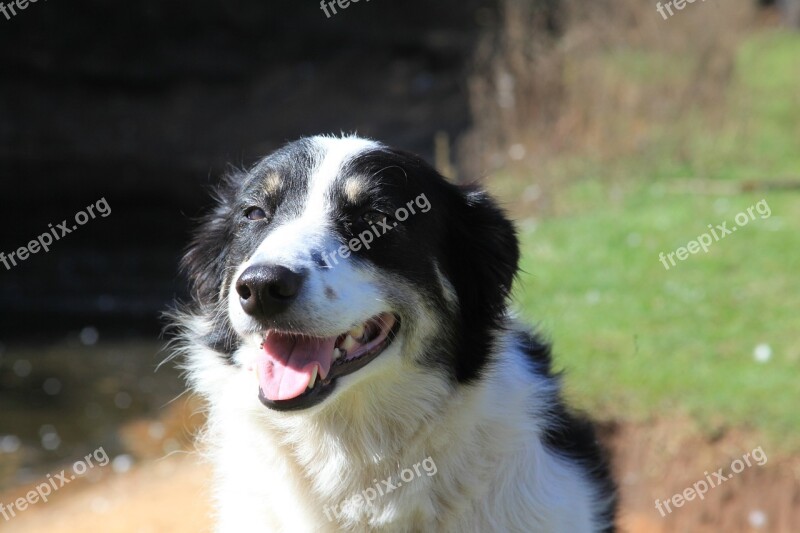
{"x":350,"y":332}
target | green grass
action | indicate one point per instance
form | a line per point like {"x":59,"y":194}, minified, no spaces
{"x":639,"y":341}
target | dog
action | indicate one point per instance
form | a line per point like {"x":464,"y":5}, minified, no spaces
{"x":349,"y":328}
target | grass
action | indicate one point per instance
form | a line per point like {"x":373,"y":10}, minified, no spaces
{"x":639,"y":341}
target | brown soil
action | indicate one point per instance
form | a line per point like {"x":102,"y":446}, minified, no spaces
{"x":169,"y":496}
{"x":661,"y":459}
{"x":652,"y":461}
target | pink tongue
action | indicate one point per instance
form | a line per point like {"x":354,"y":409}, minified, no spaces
{"x":287,"y":362}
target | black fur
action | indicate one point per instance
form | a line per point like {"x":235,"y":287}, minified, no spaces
{"x":475,"y":244}
{"x":207,"y":255}
{"x":481,"y":254}
{"x":572,"y":435}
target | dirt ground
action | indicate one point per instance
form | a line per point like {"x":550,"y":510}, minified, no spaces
{"x":659,"y":460}
{"x":167,"y":496}
{"x":656,"y":460}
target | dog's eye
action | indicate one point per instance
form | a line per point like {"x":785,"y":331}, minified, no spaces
{"x":375,"y":217}
{"x":255,"y":213}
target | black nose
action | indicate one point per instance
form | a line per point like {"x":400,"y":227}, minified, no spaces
{"x":266,"y":290}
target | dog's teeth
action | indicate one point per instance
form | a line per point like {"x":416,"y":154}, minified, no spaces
{"x":349,"y":343}
{"x":337,"y":353}
{"x":313,"y":377}
{"x":357,"y":332}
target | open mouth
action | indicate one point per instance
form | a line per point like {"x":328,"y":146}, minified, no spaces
{"x":296,"y":371}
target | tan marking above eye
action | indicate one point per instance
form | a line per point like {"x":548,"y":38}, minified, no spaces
{"x":273,"y":184}
{"x":353,"y":189}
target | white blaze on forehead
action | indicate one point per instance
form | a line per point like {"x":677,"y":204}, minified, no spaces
{"x":293,"y":240}
{"x":338,"y":151}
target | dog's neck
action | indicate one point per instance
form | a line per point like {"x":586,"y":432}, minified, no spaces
{"x":341,"y":451}
{"x":314,"y":462}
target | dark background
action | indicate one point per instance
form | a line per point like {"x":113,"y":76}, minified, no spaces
{"x":146,"y":103}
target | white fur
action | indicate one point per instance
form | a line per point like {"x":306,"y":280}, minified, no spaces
{"x":276,"y":472}
{"x":280,"y":471}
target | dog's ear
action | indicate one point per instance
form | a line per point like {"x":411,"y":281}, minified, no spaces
{"x":205,"y":258}
{"x":482,"y":252}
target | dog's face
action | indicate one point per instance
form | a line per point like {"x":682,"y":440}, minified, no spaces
{"x":337,"y":260}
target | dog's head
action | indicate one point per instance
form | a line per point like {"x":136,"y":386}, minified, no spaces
{"x":338,"y":260}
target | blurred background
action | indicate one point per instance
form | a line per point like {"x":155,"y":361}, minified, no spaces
{"x":611,"y":131}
